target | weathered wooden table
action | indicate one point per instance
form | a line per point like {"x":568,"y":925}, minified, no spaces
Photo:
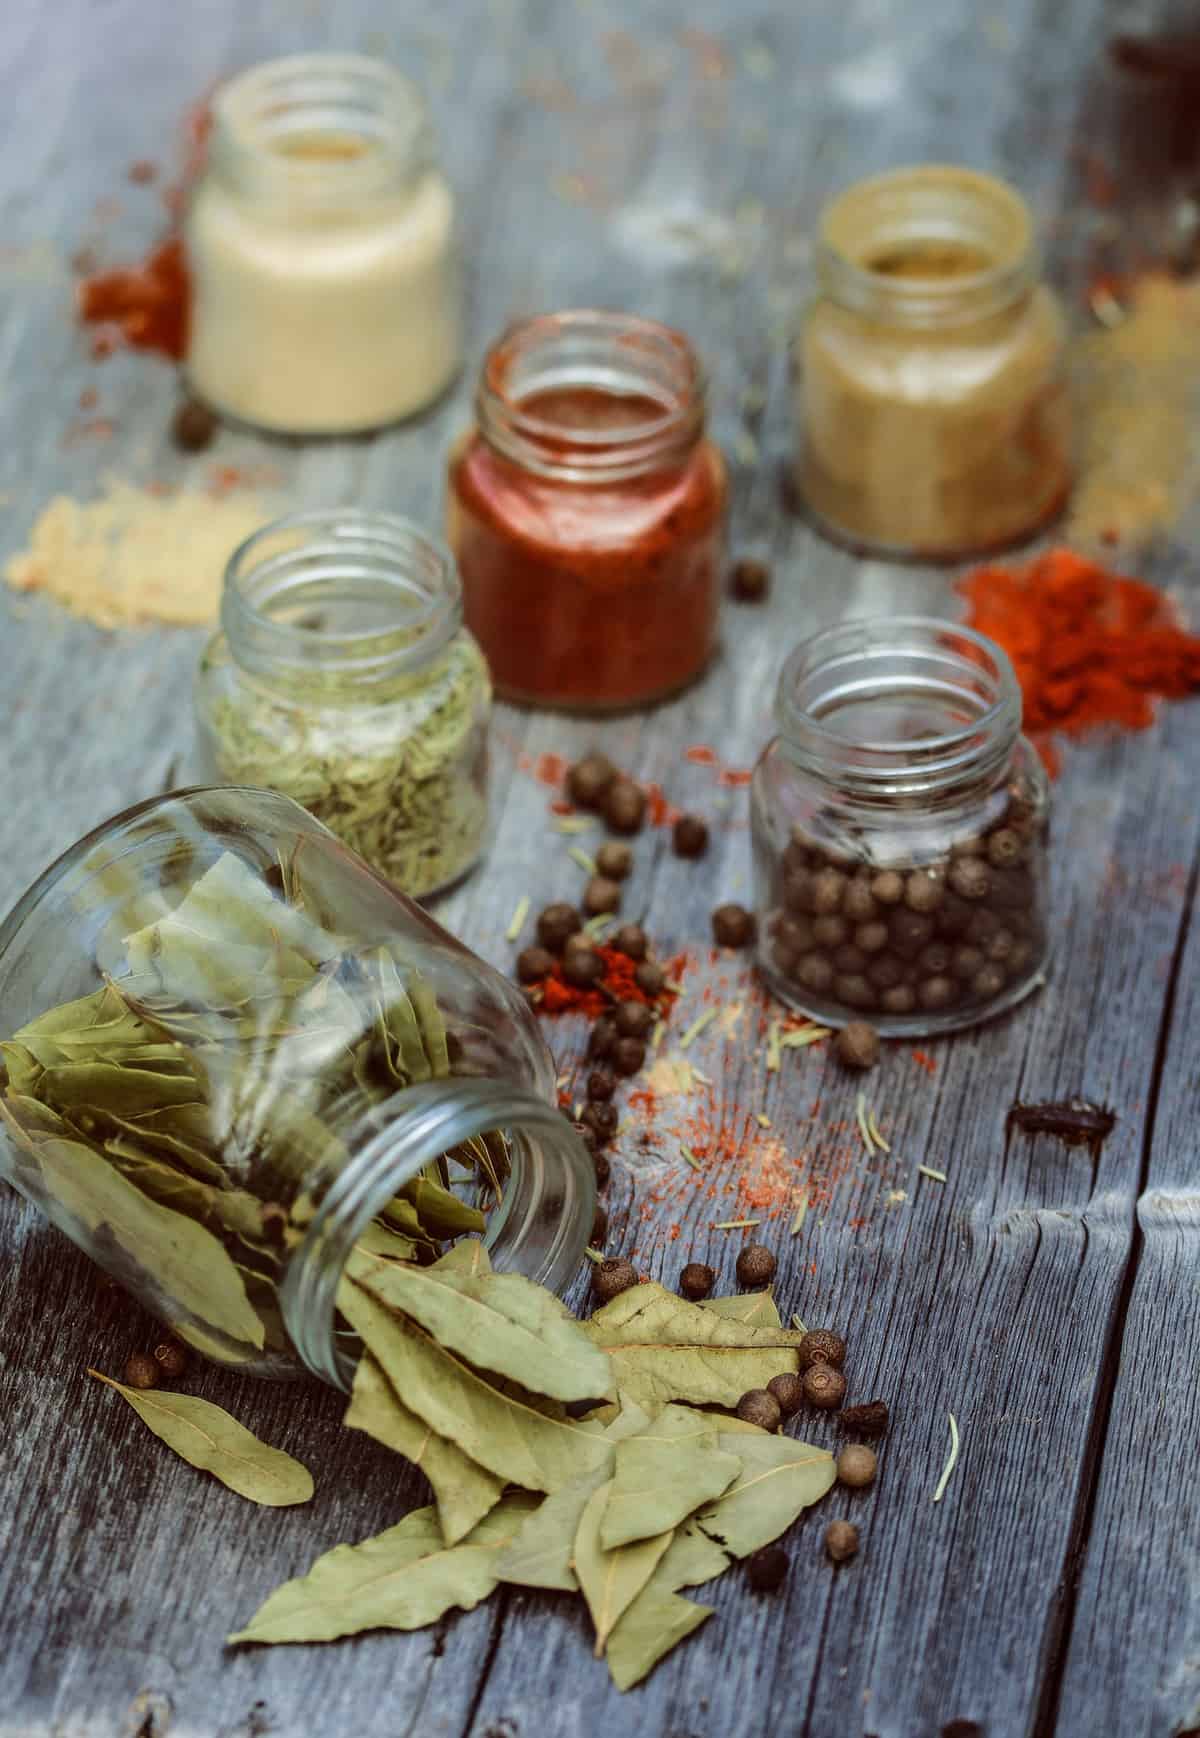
{"x":671,"y":160}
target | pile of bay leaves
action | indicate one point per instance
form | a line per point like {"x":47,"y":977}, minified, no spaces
{"x":586,"y":1457}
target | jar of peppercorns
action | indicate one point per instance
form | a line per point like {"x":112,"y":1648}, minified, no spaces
{"x":900,"y":823}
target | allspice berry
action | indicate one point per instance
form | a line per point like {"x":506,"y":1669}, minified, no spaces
{"x":1004,"y":848}
{"x":733,"y":926}
{"x":828,"y":888}
{"x":857,"y":1045}
{"x":614,"y":860}
{"x":534,"y":964}
{"x":690,"y":836}
{"x":841,"y":1541}
{"x":858,"y":902}
{"x":755,"y":1266}
{"x":888,"y":887}
{"x":601,"y":896}
{"x":650,"y":978}
{"x":766,"y":1568}
{"x":788,"y":1390}
{"x":633,"y":1019}
{"x":171,"y":1358}
{"x":589,"y":779}
{"x":612,"y":1276}
{"x":969,"y":877}
{"x":750,"y":580}
{"x":696,"y":1281}
{"x":628,"y":1055}
{"x":602,"y":1119}
{"x":922,"y":891}
{"x":756,"y":1406}
{"x":869,"y":1419}
{"x":856,"y":1465}
{"x":822,"y":1346}
{"x":556,"y":924}
{"x":193,"y":426}
{"x":141,"y":1371}
{"x":582,"y":967}
{"x":630,"y":940}
{"x":600,"y":1086}
{"x":602,"y":1037}
{"x":824,"y":1387}
{"x":624,"y":806}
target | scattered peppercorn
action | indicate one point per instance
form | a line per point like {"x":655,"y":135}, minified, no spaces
{"x":601,"y":1119}
{"x":788,"y":1390}
{"x":628,"y":1055}
{"x":557,"y":924}
{"x":630,"y":940}
{"x":822,"y":1346}
{"x":600,"y":1085}
{"x":601,"y":896}
{"x":534,"y":964}
{"x":193,"y":426}
{"x":171,"y":1358}
{"x":856,"y":1465}
{"x":612,"y":1276}
{"x":766,"y":1568}
{"x":614,"y":860}
{"x":733,"y":926}
{"x":602,"y":1037}
{"x":841,"y":1541}
{"x":755,"y":1266}
{"x":690,"y":836}
{"x":589,"y":779}
{"x":696,"y":1281}
{"x":141,"y":1371}
{"x":582,"y":966}
{"x":625,"y":806}
{"x":869,"y":1419}
{"x":633,"y":1019}
{"x":756,"y":1406}
{"x":750,"y":580}
{"x":650,"y":978}
{"x":857,"y":1045}
{"x":824,"y":1387}
{"x":599,"y":1226}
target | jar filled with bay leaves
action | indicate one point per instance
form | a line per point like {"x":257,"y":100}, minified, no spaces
{"x":237,"y":1066}
{"x":343,"y":676}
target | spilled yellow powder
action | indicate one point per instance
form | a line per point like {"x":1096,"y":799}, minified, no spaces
{"x":134,"y":556}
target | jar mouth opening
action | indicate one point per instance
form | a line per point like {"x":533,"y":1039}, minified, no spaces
{"x":927,"y":245}
{"x":592,"y":393}
{"x":365,"y":596}
{"x":899,"y":704}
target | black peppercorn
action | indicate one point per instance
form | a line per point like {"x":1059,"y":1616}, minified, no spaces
{"x":841,"y":1541}
{"x":750,"y":580}
{"x":822,"y":1346}
{"x":696,"y":1281}
{"x":857,"y":1045}
{"x":630,"y":940}
{"x":171,"y":1358}
{"x":628,"y":1055}
{"x":690,"y":836}
{"x":755,"y":1265}
{"x":557,"y":924}
{"x":633,"y":1019}
{"x":602,"y":1037}
{"x":969,"y":877}
{"x":614,"y":860}
{"x":733,"y":926}
{"x":141,"y":1371}
{"x":589,"y":779}
{"x":756,"y":1406}
{"x":582,"y":966}
{"x":193,"y":426}
{"x":601,"y":1118}
{"x":788,"y":1390}
{"x":601,"y":896}
{"x":650,"y":978}
{"x":612,"y":1276}
{"x":869,"y":1419}
{"x":600,"y":1086}
{"x":599,"y":1227}
{"x":766,"y":1568}
{"x":625,"y":806}
{"x":534,"y":964}
{"x":824,"y":1387}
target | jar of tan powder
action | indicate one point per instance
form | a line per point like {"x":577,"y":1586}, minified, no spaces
{"x":320,"y":242}
{"x":931,"y":408}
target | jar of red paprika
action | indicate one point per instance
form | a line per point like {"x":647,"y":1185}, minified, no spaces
{"x":587,"y":513}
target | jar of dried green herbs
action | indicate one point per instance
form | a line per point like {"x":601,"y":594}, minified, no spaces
{"x":236,"y":1066}
{"x":343,"y":677}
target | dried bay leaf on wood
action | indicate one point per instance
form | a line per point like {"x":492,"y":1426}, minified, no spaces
{"x":535,"y":1449}
{"x":611,"y":1580}
{"x":207,"y":1437}
{"x":755,"y":1309}
{"x":662,"y":1474}
{"x":465,"y":1492}
{"x":657,"y":1621}
{"x":403,"y":1578}
{"x":780,"y":1478}
{"x":691,"y":1558}
{"x":500,"y":1322}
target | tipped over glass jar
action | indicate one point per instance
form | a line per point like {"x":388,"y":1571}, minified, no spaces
{"x":235,"y":1063}
{"x":900,"y":825}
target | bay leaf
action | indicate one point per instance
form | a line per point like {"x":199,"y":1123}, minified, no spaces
{"x":690,"y":1559}
{"x":186,"y":1262}
{"x":403,"y":1578}
{"x":500,"y":1322}
{"x":653,"y":1624}
{"x":378,"y":1242}
{"x":439,"y":1210}
{"x":611,"y":1580}
{"x":209,"y":1438}
{"x":499,"y":1431}
{"x":108,"y":1086}
{"x":464,"y":1491}
{"x":671,"y":1467}
{"x":756,"y":1309}
{"x":469,"y":1257}
{"x":780,"y":1478}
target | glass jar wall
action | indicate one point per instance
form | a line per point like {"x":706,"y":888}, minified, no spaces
{"x":899,"y":824}
{"x":235,"y":1061}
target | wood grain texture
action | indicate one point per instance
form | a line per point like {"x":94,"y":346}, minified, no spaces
{"x":671,"y":160}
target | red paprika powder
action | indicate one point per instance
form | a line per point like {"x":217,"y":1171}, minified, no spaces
{"x":586,"y":511}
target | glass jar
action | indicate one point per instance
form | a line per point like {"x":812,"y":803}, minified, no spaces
{"x":342,"y":676}
{"x":932,"y":413}
{"x":900,"y":822}
{"x":587,"y":512}
{"x":233,"y":1055}
{"x":320,"y":242}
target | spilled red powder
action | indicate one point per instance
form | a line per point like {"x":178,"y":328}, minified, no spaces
{"x":550,"y":769}
{"x":735,"y":777}
{"x":658,"y":810}
{"x":560,"y":806}
{"x":559,"y":997}
{"x":924,"y":1060}
{"x":701,"y":755}
{"x":146,"y":305}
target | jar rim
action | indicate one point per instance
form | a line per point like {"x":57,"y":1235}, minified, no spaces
{"x":604,"y":351}
{"x":919,"y":205}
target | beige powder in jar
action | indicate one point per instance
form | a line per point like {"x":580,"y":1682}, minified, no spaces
{"x":321,"y":244}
